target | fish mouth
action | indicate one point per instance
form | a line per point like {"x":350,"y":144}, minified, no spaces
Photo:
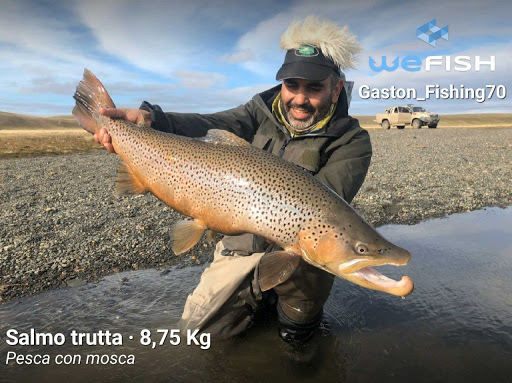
{"x":370,"y":278}
{"x":361,"y":272}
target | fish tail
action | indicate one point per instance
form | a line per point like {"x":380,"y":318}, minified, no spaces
{"x":90,"y":95}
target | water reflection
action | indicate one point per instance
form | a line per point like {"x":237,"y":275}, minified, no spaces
{"x":455,"y":326}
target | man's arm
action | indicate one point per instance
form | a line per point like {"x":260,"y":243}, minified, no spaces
{"x":239,"y":120}
{"x":348,"y":164}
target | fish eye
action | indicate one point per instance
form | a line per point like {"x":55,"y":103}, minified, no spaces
{"x":361,"y":249}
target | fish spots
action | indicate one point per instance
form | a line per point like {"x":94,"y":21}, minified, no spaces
{"x":234,"y":186}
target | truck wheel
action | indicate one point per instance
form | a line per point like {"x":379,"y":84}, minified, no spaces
{"x":416,"y":124}
{"x":385,"y":124}
{"x":400,"y":127}
{"x":432,"y":126}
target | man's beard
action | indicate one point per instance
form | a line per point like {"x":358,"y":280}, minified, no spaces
{"x":315,"y":114}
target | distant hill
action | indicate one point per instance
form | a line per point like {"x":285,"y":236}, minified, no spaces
{"x":23,"y":121}
{"x":484,"y":120}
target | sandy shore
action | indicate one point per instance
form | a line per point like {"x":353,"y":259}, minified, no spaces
{"x":62,"y":224}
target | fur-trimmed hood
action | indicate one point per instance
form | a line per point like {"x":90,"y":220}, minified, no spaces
{"x":336,"y":43}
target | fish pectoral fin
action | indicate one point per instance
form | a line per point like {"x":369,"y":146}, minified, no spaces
{"x":127,"y":182}
{"x":223,"y":137}
{"x":185,"y":234}
{"x":276,"y":267}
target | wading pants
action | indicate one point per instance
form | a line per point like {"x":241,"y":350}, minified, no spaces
{"x":228,"y":294}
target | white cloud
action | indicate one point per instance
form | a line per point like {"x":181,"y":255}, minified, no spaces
{"x":239,"y":56}
{"x":263,"y":39}
{"x":162,"y":37}
{"x":213,"y":100}
{"x":184,"y":53}
{"x":467,"y":21}
{"x":49,"y":85}
{"x":25,"y":26}
{"x":200,"y":80}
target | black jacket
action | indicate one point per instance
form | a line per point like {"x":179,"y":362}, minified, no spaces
{"x":338,"y":155}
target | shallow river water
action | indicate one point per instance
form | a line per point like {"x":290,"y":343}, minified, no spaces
{"x":456,"y":326}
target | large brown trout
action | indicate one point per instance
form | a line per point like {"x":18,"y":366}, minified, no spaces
{"x":228,"y":186}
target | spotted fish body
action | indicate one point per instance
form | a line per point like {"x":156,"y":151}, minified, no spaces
{"x":228,"y":186}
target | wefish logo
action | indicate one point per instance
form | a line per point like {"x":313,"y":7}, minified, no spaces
{"x":414,"y":63}
{"x":436,"y":33}
{"x":430,"y":33}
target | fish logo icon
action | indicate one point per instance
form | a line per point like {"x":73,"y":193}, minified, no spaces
{"x":435,"y":34}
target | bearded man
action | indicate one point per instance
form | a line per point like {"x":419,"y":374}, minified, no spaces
{"x":303,"y":120}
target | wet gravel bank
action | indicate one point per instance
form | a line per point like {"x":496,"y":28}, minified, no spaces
{"x":61,"y":225}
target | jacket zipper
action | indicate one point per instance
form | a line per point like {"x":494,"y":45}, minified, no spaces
{"x":289,"y":139}
{"x":281,"y":151}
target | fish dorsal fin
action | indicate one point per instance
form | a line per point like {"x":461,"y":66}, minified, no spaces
{"x":185,"y":234}
{"x":223,"y":137}
{"x":276,"y":267}
{"x":127,"y":182}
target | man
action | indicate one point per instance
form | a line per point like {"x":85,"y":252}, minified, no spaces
{"x":304,"y":120}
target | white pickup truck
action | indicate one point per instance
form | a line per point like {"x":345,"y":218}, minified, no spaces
{"x":400,"y":116}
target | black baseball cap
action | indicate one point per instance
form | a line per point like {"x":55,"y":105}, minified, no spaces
{"x":307,"y":62}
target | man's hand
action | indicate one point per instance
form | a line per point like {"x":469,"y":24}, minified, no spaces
{"x":131,"y":115}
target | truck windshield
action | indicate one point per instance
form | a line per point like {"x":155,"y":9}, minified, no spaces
{"x":418,"y":109}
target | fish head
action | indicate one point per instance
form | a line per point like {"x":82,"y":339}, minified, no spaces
{"x":350,"y":250}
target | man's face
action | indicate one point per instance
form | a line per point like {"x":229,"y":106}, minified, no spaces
{"x":306,"y":102}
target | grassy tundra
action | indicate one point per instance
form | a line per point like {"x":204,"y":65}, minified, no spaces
{"x":23,"y":135}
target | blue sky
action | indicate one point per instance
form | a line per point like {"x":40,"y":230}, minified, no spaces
{"x":192,"y":57}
